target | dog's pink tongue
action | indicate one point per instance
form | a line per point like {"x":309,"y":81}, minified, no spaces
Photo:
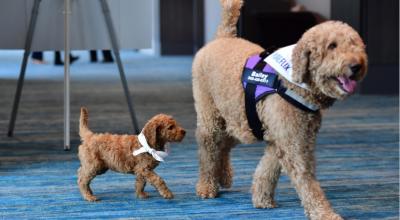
{"x":348,"y":84}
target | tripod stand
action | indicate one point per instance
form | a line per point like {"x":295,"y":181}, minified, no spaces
{"x":27,"y":51}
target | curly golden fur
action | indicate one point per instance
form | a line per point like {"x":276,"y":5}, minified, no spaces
{"x":324,"y":53}
{"x":100,"y":152}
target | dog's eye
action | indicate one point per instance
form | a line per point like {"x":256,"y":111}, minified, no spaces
{"x":171,"y":127}
{"x":332,"y":46}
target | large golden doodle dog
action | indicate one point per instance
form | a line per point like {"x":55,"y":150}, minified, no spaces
{"x":328,"y":62}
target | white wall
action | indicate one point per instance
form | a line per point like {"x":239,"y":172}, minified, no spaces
{"x":322,"y":7}
{"x":88,"y":27}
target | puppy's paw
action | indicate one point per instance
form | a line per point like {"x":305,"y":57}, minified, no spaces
{"x":206,"y":191}
{"x":142,"y":195}
{"x":91,"y":198}
{"x":167,"y":195}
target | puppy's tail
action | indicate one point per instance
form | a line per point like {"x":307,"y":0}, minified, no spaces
{"x":230,"y":16}
{"x":83,"y":123}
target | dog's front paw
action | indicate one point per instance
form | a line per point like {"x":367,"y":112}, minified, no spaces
{"x":142,"y":195}
{"x":91,"y":198}
{"x":206,"y":191}
{"x":167,"y":195}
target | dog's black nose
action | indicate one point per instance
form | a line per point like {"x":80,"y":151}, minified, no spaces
{"x":355,"y":68}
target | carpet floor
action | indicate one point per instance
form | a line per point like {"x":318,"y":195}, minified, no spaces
{"x":357,"y":158}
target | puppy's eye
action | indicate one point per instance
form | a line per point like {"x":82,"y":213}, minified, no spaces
{"x":332,"y":46}
{"x":171,"y":127}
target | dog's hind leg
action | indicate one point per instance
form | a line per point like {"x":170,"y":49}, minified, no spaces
{"x":85,"y":176}
{"x":225,"y":169}
{"x":209,"y":155}
{"x":265,"y":179}
{"x":214,"y":156}
{"x":207,"y":133}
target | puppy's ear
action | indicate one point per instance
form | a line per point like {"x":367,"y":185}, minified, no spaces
{"x":301,"y":62}
{"x":150,"y":132}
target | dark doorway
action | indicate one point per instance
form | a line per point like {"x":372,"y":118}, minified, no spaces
{"x":270,"y":24}
{"x":181,"y":26}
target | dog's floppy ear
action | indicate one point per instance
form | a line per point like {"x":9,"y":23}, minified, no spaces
{"x":301,"y":61}
{"x":150,"y":132}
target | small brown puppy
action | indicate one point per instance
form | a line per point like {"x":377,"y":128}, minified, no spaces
{"x":126,"y":154}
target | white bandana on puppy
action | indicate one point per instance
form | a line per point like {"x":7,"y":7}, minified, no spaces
{"x":281,"y":61}
{"x":158,"y":155}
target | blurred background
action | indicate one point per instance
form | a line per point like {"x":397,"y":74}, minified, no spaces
{"x":181,"y":27}
{"x":357,"y":146}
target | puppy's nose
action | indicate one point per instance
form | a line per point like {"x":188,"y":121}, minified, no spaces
{"x":355,"y":68}
{"x":183,"y":132}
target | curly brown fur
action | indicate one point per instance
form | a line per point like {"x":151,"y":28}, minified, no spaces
{"x":230,"y":16}
{"x":100,"y":152}
{"x":324,"y":52}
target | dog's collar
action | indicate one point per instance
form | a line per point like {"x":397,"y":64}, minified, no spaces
{"x":281,"y":61}
{"x":158,"y":155}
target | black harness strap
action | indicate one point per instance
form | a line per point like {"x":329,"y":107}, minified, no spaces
{"x":251,"y":104}
{"x":251,"y":112}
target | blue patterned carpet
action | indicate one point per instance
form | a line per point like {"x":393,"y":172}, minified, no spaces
{"x":357,"y":154}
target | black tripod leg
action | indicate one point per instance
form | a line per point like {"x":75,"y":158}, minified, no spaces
{"x":28,"y":44}
{"x":115,"y":48}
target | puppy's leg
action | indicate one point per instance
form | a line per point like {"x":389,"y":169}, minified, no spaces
{"x":85,"y":176}
{"x":155,"y":180}
{"x":297,"y":160}
{"x":225,"y":169}
{"x":265,"y":179}
{"x":140,"y":184}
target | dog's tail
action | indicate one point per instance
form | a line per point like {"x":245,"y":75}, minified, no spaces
{"x":230,"y":16}
{"x":83,"y":123}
